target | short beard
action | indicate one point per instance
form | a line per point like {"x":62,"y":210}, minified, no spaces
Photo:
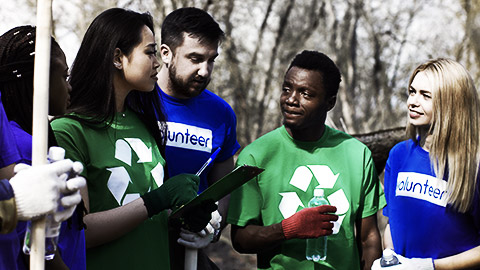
{"x":179,"y":86}
{"x":176,"y":84}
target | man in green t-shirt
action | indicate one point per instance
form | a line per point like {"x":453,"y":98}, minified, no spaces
{"x":269,"y":215}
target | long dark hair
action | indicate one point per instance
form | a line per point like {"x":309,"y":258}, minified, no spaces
{"x":17,"y":53}
{"x":92,"y":71}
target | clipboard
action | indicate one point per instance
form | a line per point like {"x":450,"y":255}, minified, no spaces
{"x":221,"y":188}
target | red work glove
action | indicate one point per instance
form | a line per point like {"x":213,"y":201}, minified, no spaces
{"x":310,"y":222}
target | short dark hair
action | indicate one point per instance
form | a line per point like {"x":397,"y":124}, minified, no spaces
{"x":17,"y":53}
{"x":192,"y":21}
{"x":92,"y":72}
{"x":313,"y":60}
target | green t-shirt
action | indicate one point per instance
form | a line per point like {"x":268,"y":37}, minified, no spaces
{"x":340,"y":164}
{"x":121,"y":163}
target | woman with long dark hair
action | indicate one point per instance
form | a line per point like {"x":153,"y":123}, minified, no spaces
{"x":111,"y":128}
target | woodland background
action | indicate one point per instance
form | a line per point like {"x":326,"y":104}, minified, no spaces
{"x":375,"y":43}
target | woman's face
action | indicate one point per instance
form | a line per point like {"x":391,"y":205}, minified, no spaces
{"x":140,"y":67}
{"x":419,"y":102}
{"x":60,"y":88}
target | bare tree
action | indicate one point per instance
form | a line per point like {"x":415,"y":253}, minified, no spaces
{"x":370,"y":40}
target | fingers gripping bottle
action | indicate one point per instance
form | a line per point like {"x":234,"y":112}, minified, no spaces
{"x":52,"y":228}
{"x":317,"y":247}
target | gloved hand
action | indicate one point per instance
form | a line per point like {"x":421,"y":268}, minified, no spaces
{"x":202,"y":238}
{"x":406,"y":264}
{"x":197,"y":217}
{"x":417,"y":263}
{"x":37,"y":189}
{"x":71,"y":193}
{"x":310,"y":222}
{"x":174,"y":192}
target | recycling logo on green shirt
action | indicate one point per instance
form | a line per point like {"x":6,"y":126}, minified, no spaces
{"x":302,"y":178}
{"x":119,"y":177}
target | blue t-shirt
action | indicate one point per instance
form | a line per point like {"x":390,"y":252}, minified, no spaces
{"x":196,"y":128}
{"x":9,"y":153}
{"x":71,"y":242}
{"x":23,"y":143}
{"x":9,"y":243}
{"x":421,"y":223}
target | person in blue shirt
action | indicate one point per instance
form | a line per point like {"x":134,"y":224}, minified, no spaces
{"x":431,"y":180}
{"x":17,"y":54}
{"x":199,"y":122}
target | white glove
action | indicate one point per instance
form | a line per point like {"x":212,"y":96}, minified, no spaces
{"x":37,"y":189}
{"x":406,"y":264}
{"x":417,"y":263}
{"x":203,"y":237}
{"x":71,"y":193}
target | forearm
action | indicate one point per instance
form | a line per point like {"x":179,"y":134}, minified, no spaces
{"x":106,"y":226}
{"x":254,"y":238}
{"x":371,"y":250}
{"x":387,"y":238}
{"x":370,"y":242}
{"x":7,"y":172}
{"x":223,"y":210}
{"x":469,"y":259}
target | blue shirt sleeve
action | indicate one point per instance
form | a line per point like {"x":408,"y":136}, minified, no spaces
{"x":9,"y":153}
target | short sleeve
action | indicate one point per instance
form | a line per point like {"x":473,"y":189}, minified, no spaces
{"x":374,"y":198}
{"x":9,"y":153}
{"x":386,"y":183}
{"x":230,"y":145}
{"x":246,"y":201}
{"x":68,"y":133}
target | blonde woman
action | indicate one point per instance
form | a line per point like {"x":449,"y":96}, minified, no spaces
{"x":431,"y":184}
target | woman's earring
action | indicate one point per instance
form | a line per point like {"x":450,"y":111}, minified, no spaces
{"x":117,"y":65}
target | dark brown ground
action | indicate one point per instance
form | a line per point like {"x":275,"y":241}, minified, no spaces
{"x":226,"y":258}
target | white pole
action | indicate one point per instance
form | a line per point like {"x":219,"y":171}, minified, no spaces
{"x":191,"y":258}
{"x":40,"y":121}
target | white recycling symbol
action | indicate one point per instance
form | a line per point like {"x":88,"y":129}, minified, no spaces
{"x":119,"y":177}
{"x":301,"y":179}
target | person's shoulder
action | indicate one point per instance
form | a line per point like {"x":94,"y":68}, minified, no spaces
{"x":343,"y":138}
{"x":402,"y":147}
{"x":261,"y":147}
{"x":66,"y":122}
{"x":266,"y":140}
{"x":214,"y":99}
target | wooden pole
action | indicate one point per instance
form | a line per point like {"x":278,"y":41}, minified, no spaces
{"x":40,"y":117}
{"x":191,"y":258}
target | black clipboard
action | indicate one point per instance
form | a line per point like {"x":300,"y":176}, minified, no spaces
{"x":221,"y":188}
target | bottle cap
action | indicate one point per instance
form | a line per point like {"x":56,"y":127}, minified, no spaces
{"x":387,"y":254}
{"x":56,"y":153}
{"x":318,"y":192}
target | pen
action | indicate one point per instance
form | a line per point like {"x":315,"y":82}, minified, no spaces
{"x":210,"y":160}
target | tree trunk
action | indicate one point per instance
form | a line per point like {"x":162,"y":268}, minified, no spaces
{"x":380,"y":142}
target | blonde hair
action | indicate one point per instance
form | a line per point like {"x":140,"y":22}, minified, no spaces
{"x":454,"y":150}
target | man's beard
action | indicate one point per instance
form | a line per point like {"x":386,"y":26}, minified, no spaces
{"x":183,"y":87}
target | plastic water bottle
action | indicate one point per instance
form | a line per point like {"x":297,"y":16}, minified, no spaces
{"x":317,"y":247}
{"x":388,"y":258}
{"x":52,"y":228}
